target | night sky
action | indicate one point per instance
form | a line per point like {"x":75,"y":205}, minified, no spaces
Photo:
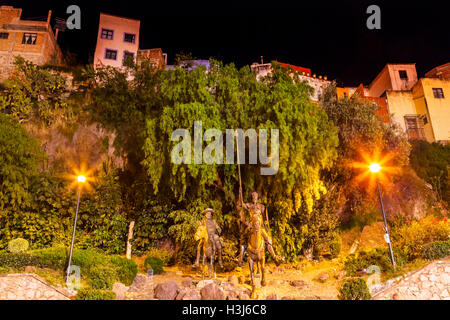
{"x":330,"y":37}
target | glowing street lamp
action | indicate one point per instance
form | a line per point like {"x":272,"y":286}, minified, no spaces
{"x":81,"y":179}
{"x":375,"y":168}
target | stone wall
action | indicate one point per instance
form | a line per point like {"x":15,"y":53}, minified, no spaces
{"x":429,"y":283}
{"x":28,"y":286}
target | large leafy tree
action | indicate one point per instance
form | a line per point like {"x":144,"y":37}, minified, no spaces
{"x":145,"y":112}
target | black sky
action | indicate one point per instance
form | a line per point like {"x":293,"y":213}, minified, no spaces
{"x":330,"y":37}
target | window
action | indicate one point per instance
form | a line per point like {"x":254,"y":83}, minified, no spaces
{"x":438,"y":93}
{"x":107,"y":34}
{"x":4,"y":35}
{"x":129,"y":37}
{"x":414,"y":128}
{"x":111,"y":54}
{"x":127,"y":56}
{"x":29,"y":38}
{"x":403,"y":75}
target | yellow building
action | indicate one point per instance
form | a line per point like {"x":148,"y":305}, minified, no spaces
{"x":33,"y":40}
{"x":424,"y":111}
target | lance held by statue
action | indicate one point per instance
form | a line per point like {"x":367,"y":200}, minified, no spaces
{"x":255,"y":210}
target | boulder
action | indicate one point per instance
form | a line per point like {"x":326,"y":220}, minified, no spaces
{"x":166,"y":290}
{"x":212,"y":292}
{"x":187,"y":282}
{"x":120,"y":289}
{"x":272,"y":296}
{"x":244,"y":296}
{"x":192,"y":295}
{"x":322,"y":277}
{"x":203,"y":283}
{"x":276,"y":282}
{"x":340,"y":275}
{"x":298,"y":283}
{"x":139,"y":282}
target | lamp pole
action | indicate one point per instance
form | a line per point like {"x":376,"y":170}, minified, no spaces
{"x":387,"y":238}
{"x":81,"y":179}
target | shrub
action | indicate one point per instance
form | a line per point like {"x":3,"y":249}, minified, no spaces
{"x":126,"y":269}
{"x":17,"y":260}
{"x":335,"y":246}
{"x":436,"y":250}
{"x":163,"y":254}
{"x":55,"y":257}
{"x":95,"y":294}
{"x":101,"y":277}
{"x":18,"y":245}
{"x":87,"y":258}
{"x":229,"y":255}
{"x":414,"y":236}
{"x":379,"y":257}
{"x":155,"y":263}
{"x":354,"y":289}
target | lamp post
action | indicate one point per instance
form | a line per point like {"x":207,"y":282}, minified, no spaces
{"x":80,"y":179}
{"x":375,"y":168}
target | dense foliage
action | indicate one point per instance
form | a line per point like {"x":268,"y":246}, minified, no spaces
{"x":363,"y":138}
{"x":34,"y":93}
{"x":431,"y":161}
{"x":146,"y":110}
{"x":413,"y":236}
{"x":354,"y":289}
{"x":100,"y":270}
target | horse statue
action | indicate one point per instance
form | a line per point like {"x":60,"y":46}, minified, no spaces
{"x":255,"y":247}
{"x":208,"y":250}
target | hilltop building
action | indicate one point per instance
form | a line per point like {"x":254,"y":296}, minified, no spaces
{"x":118,"y":41}
{"x":33,"y":40}
{"x":420,"y":106}
{"x":317,"y":83}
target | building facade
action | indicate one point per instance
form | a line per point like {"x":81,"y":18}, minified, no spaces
{"x":420,"y":106}
{"x":30,"y":39}
{"x":156,"y":57}
{"x":318,"y":83}
{"x":117,"y":41}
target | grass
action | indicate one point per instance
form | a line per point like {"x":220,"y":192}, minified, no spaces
{"x":409,"y":267}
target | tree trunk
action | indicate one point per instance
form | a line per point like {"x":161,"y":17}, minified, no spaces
{"x":130,"y":236}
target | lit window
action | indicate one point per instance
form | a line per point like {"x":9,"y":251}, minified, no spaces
{"x":111,"y":54}
{"x":4,"y":35}
{"x":129,"y":37}
{"x":29,"y":38}
{"x":107,"y":34}
{"x":438,"y":93}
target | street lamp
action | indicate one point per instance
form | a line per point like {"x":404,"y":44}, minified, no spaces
{"x":81,"y":179}
{"x":375,"y":168}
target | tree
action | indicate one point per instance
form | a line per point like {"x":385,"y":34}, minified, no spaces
{"x":362,"y":136}
{"x":145,"y":111}
{"x":33,"y":92}
{"x":20,"y":159}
